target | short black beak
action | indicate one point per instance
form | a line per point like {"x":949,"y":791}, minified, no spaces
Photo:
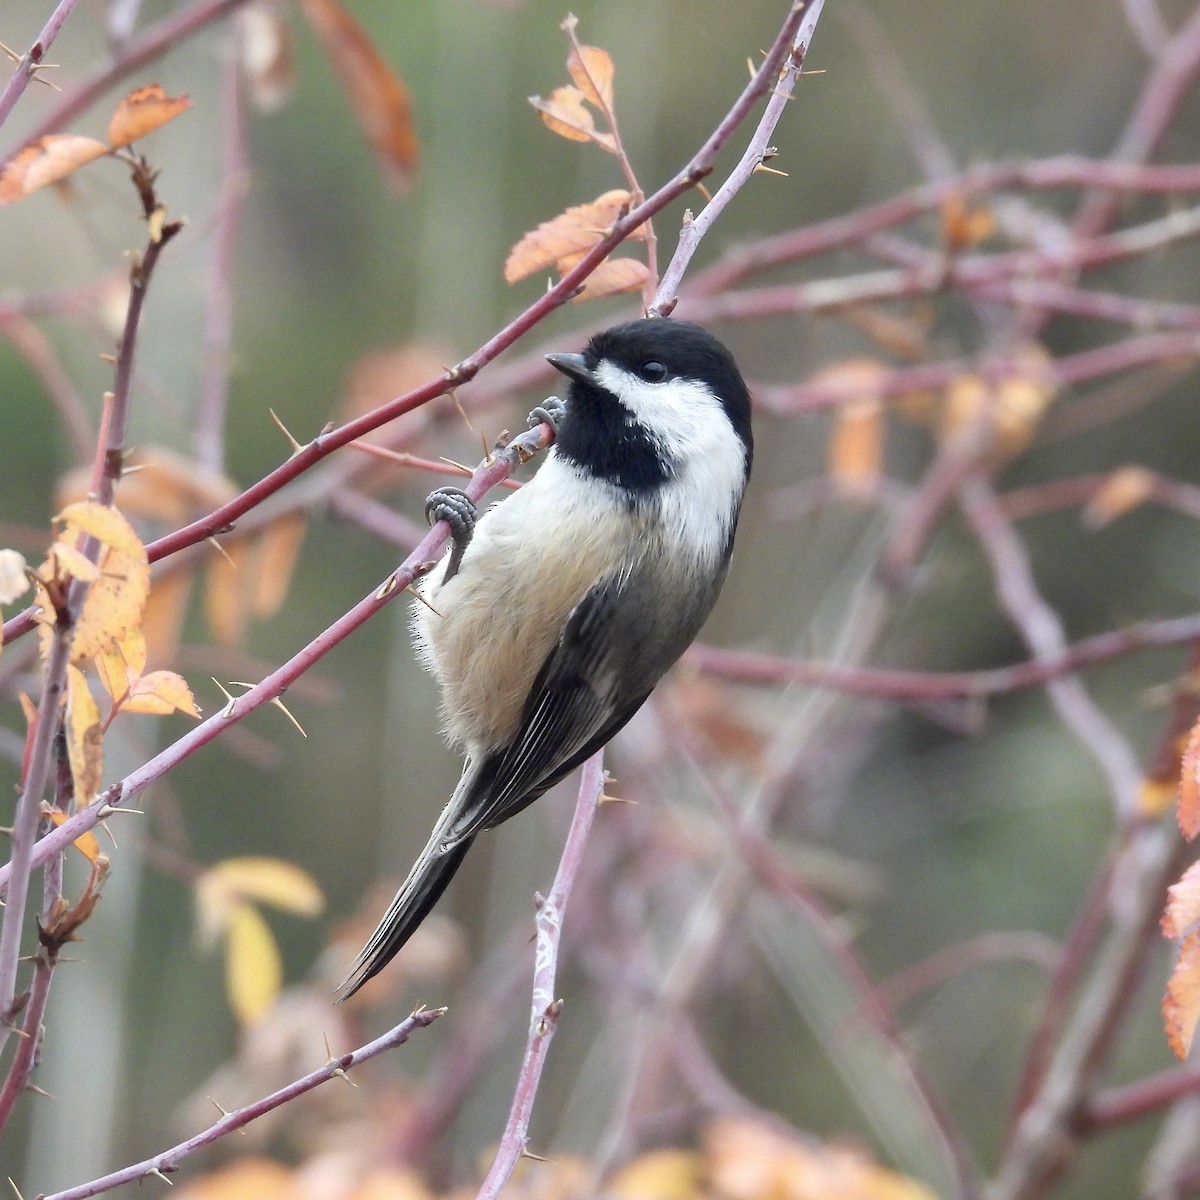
{"x":574,"y":366}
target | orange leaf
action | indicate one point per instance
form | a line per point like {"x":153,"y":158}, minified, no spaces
{"x":165,"y":611}
{"x":142,"y":112}
{"x":855,"y":454}
{"x":48,"y":160}
{"x":379,"y":98}
{"x":964,"y":227}
{"x":1188,"y":810}
{"x":1125,"y":489}
{"x":85,"y":738}
{"x":610,"y":278}
{"x":593,"y":71}
{"x":1183,"y":903}
{"x":667,"y":1174}
{"x":1181,"y":1004}
{"x":224,"y":604}
{"x":571,"y":233}
{"x":85,"y":843}
{"x":565,"y":114}
{"x":159,"y":693}
{"x":253,"y":967}
{"x":277,"y":551}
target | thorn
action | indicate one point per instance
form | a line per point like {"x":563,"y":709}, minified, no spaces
{"x":412,"y":591}
{"x":339,"y":1073}
{"x":751,"y":67}
{"x":212,"y":541}
{"x":231,"y":700}
{"x":11,"y":1184}
{"x":17,"y":60}
{"x":278,"y":703}
{"x":462,"y":412}
{"x":456,"y":465}
{"x":387,"y":587}
{"x":156,"y":1171}
{"x":605,"y":798}
{"x":37,"y":1091}
{"x":111,"y":359}
{"x":487,"y":450}
{"x":224,"y":1113}
{"x":110,"y":835}
{"x":527,"y":1153}
{"x":759,"y":169}
{"x":295,"y":445}
{"x":704,"y":192}
{"x":106,"y":810}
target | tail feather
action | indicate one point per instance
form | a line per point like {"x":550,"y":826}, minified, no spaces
{"x":420,"y":892}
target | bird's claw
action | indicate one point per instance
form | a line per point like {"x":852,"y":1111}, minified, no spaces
{"x":549,"y":412}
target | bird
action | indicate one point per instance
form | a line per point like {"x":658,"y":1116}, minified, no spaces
{"x":556,"y":612}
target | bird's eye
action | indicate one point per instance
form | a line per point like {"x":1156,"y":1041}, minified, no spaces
{"x":653,"y":372}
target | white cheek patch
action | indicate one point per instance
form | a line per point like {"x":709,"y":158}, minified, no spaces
{"x":691,"y":426}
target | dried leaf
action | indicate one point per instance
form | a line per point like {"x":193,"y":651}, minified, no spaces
{"x":271,"y":881}
{"x":85,"y":843}
{"x":1124,"y":490}
{"x":277,"y":550}
{"x":612,"y":277}
{"x":566,"y":114}
{"x":267,"y":55}
{"x":14,"y":583}
{"x":159,"y":693}
{"x":1183,"y":903}
{"x":253,"y":967}
{"x":142,"y":112}
{"x":379,"y":98}
{"x":855,"y":453}
{"x":166,"y":609}
{"x":85,"y":738}
{"x":249,"y":1178}
{"x":48,"y":160}
{"x":964,"y":227}
{"x":592,"y":70}
{"x":1155,"y":796}
{"x":1188,"y":811}
{"x":571,"y":233}
{"x":1181,"y":1004}
{"x":224,"y":603}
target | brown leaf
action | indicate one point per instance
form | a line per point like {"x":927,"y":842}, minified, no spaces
{"x":1181,"y":1004}
{"x":379,"y":98}
{"x":48,"y":160}
{"x":142,"y":112}
{"x":855,"y":452}
{"x":592,"y":70}
{"x":964,"y":227}
{"x":566,"y":236}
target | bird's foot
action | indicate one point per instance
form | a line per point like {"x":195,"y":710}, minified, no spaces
{"x":455,"y":507}
{"x":550,"y":411}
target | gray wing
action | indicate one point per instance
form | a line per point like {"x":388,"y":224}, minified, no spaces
{"x":617,"y":643}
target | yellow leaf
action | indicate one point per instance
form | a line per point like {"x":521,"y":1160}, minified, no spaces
{"x":142,"y":112}
{"x":14,"y":583}
{"x":658,"y":1175}
{"x":1124,"y":490}
{"x":85,"y":843}
{"x":1181,"y":1004}
{"x":571,"y":233}
{"x":47,"y":161}
{"x":114,"y":603}
{"x":75,"y":563}
{"x":271,"y":881}
{"x":85,"y":749}
{"x":160,"y":692}
{"x":253,"y":967}
{"x":274,"y":561}
{"x":105,"y":524}
{"x":592,"y":70}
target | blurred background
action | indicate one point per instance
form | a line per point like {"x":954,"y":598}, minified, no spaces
{"x":913,"y":828}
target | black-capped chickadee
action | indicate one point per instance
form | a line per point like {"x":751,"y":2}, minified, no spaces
{"x":551,"y":619}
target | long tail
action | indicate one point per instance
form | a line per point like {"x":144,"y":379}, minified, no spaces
{"x":424,"y":886}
